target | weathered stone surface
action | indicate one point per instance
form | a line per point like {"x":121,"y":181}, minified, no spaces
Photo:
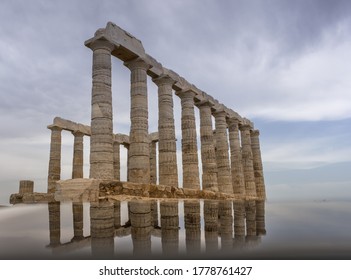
{"x":77,"y":190}
{"x":77,"y":170}
{"x":247,"y":161}
{"x":54,"y":173}
{"x":116,"y":161}
{"x":153,"y":167}
{"x":257,"y":164}
{"x":208,"y":155}
{"x":222,"y":156}
{"x":189,"y":141}
{"x":168,"y":172}
{"x":26,"y":186}
{"x":139,"y":150}
{"x":31,"y":198}
{"x":101,"y":140}
{"x":237,"y":171}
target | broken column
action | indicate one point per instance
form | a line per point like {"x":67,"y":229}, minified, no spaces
{"x":208,"y":155}
{"x":189,"y":141}
{"x":238,"y":179}
{"x":139,"y":151}
{"x":77,"y":170}
{"x":54,"y":173}
{"x":26,"y":186}
{"x":257,"y":164}
{"x":167,"y":157}
{"x":101,"y":140}
{"x":222,"y":155}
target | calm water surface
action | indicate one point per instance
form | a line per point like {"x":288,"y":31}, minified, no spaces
{"x":185,"y":229}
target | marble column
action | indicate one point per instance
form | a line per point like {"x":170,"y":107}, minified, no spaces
{"x":54,"y":173}
{"x":189,"y":142}
{"x":116,"y":161}
{"x":247,"y":160}
{"x":77,"y":170}
{"x":238,"y":179}
{"x":211,"y":225}
{"x":208,"y":155}
{"x":222,"y":153}
{"x":153,"y":163}
{"x":226,"y":224}
{"x":192,"y":223}
{"x":257,"y":164}
{"x":101,"y":140}
{"x":139,"y":151}
{"x":167,"y":157}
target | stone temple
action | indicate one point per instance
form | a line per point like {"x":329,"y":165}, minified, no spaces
{"x":230,"y":151}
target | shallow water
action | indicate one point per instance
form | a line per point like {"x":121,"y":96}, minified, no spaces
{"x":172,"y":230}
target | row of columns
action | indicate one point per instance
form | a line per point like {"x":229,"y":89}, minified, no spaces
{"x":219,"y":174}
{"x":239,"y":173}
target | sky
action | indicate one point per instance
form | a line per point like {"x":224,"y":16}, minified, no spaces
{"x":283,"y":64}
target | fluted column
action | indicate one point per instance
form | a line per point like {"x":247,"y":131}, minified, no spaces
{"x":169,"y":227}
{"x":116,"y":161}
{"x":54,"y":173}
{"x":222,"y":153}
{"x":238,"y":179}
{"x":208,"y":155}
{"x":167,"y":157}
{"x":127,"y":147}
{"x":153,"y":163}
{"x":211,"y":225}
{"x":189,"y":141}
{"x":192,"y":223}
{"x":226,"y":224}
{"x":139,"y":151}
{"x":54,"y":223}
{"x":101,"y":140}
{"x":257,"y":164}
{"x":247,"y":160}
{"x":77,"y":169}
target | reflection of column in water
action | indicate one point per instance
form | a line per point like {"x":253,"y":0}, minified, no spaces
{"x":117,"y":214}
{"x":260,"y":218}
{"x":154,"y":214}
{"x":251,"y":229}
{"x":211,"y":225}
{"x":239,"y":223}
{"x":192,"y":226}
{"x":102,"y":229}
{"x":140,"y":218}
{"x":169,"y":227}
{"x":54,"y":223}
{"x":77,"y":209}
{"x":226,"y":224}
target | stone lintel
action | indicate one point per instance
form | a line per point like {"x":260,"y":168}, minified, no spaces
{"x":156,"y":68}
{"x":255,"y":132}
{"x":121,"y":138}
{"x":218,"y":109}
{"x":71,"y":126}
{"x":204,"y":102}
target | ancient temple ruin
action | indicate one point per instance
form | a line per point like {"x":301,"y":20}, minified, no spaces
{"x":230,"y":151}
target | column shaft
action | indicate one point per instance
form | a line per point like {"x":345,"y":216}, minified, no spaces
{"x":101,"y":140}
{"x":189,"y":141}
{"x":208,"y":155}
{"x":77,"y":169}
{"x":167,"y":156}
{"x":222,"y":154}
{"x":153,"y":164}
{"x":236,"y":159}
{"x":257,"y":163}
{"x":139,"y":151}
{"x":54,"y":173}
{"x":247,"y":160}
{"x":116,"y":161}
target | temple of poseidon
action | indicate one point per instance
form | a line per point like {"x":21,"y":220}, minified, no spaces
{"x":230,"y":151}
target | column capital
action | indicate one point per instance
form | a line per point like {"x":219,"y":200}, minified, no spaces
{"x":244,"y":127}
{"x":54,"y":127}
{"x":78,"y":133}
{"x":255,"y":132}
{"x":188,"y":93}
{"x":233,"y":121}
{"x":164,"y":80}
{"x":204,"y":103}
{"x":101,"y":43}
{"x":137,"y":63}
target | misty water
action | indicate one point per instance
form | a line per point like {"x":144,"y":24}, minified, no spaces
{"x":193,"y":229}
